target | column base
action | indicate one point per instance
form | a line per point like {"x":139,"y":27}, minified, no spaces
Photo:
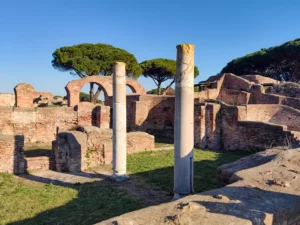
{"x":179,"y":196}
{"x":119,"y":178}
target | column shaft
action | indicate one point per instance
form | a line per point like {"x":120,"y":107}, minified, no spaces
{"x":119,"y":119}
{"x":184,"y":120}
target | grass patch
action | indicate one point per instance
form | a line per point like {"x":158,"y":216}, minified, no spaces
{"x":163,"y":145}
{"x":25,"y":203}
{"x":37,"y":149}
{"x":157,"y":168}
{"x":35,"y":146}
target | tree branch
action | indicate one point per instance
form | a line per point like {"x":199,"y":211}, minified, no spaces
{"x":168,"y":87}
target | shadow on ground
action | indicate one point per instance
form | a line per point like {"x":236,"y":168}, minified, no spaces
{"x":101,"y":200}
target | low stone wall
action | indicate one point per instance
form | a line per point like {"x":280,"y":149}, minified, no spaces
{"x":264,"y":192}
{"x":42,"y":124}
{"x":12,"y":154}
{"x":7,"y":100}
{"x":91,"y":146}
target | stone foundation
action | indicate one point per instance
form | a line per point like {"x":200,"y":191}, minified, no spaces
{"x":91,"y":146}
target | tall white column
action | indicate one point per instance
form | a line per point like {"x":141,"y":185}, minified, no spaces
{"x":184,"y":121}
{"x":119,"y":121}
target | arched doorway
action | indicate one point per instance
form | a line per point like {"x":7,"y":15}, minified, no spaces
{"x":74,"y":87}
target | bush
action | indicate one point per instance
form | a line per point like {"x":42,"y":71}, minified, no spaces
{"x":155,"y":91}
{"x":288,"y":89}
{"x":57,"y":96}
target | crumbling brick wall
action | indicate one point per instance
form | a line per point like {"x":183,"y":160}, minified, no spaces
{"x":258,"y":79}
{"x":12,"y":154}
{"x":42,"y":124}
{"x":233,"y":97}
{"x":39,"y":163}
{"x":7,"y":99}
{"x":229,"y":127}
{"x":150,"y":112}
{"x":207,"y":132}
{"x":24,"y":94}
{"x":276,"y":114}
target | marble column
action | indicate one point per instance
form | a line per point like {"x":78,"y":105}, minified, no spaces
{"x":119,"y":121}
{"x":184,"y":121}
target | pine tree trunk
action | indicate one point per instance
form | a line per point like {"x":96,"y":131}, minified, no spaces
{"x":91,"y":92}
{"x":96,"y":96}
{"x":158,"y":88}
{"x":168,"y":87}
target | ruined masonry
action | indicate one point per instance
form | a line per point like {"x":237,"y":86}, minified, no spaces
{"x":229,"y":112}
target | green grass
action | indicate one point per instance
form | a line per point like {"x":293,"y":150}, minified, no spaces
{"x":37,"y":149}
{"x":27,"y":202}
{"x":163,"y":145}
{"x":156,"y":168}
{"x":32,"y":203}
{"x":36,"y":146}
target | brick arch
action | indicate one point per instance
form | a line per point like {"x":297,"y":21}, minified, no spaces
{"x":135,"y":86}
{"x":105,"y":82}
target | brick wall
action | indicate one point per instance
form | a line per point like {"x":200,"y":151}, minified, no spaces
{"x":39,"y":163}
{"x":276,"y":114}
{"x":12,"y":154}
{"x":150,"y":112}
{"x":255,"y":136}
{"x":96,"y":115}
{"x":42,"y":124}
{"x":234,"y":82}
{"x":228,"y":127}
{"x":234,"y":97}
{"x":212,"y":126}
{"x":7,"y":99}
{"x":24,"y":95}
{"x":258,"y":79}
{"x":199,"y":126}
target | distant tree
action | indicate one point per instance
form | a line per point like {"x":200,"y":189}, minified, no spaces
{"x":57,"y":96}
{"x":93,"y":59}
{"x":155,"y":91}
{"x":161,"y":70}
{"x":278,"y":62}
{"x":86,"y":97}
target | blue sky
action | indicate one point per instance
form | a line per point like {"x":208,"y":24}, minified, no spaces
{"x":221,"y":31}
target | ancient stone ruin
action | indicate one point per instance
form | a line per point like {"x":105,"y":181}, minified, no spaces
{"x":229,"y":112}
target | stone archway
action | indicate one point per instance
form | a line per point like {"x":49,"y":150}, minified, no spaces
{"x":105,"y":82}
